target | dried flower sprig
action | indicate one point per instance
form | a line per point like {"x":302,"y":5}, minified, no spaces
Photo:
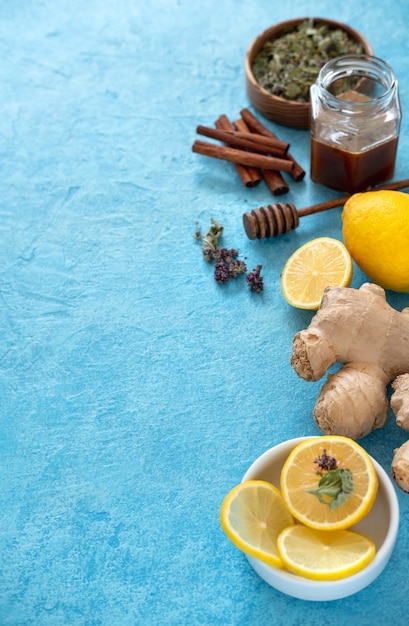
{"x":255,"y":280}
{"x":228,"y":265}
{"x":325,"y":462}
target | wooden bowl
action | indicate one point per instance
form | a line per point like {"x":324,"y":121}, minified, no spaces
{"x":286,"y":112}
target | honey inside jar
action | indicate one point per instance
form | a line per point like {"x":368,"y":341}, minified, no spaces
{"x":352,"y":171}
{"x":355,"y":120}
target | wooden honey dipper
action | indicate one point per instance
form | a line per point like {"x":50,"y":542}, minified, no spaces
{"x":276,"y":219}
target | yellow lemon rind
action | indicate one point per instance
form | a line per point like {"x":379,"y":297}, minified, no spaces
{"x":375,"y":230}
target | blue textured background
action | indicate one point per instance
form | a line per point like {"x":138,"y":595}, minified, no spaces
{"x":134,"y":391}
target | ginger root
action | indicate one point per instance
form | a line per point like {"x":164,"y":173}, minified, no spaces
{"x":359,"y":329}
{"x":400,"y":400}
{"x":400,"y":466}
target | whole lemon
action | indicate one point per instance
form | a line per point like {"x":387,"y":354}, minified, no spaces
{"x":375,"y":228}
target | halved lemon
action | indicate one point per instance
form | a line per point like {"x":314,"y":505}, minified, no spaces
{"x":319,"y":263}
{"x":324,"y":555}
{"x":329,"y":482}
{"x":252,"y":515}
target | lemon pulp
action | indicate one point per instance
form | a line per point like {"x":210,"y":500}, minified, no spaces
{"x":324,"y":555}
{"x":314,"y":266}
{"x":252,"y":515}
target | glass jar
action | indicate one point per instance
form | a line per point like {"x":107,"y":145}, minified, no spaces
{"x":355,"y":122}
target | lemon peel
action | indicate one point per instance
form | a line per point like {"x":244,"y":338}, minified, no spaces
{"x":375,"y":229}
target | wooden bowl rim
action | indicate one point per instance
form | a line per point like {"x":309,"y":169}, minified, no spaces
{"x":276,"y":29}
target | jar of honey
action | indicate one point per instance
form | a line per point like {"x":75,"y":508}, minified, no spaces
{"x":355,"y":122}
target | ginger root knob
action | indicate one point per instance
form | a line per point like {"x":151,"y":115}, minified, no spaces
{"x":352,"y":402}
{"x":400,"y":466}
{"x":400,"y":400}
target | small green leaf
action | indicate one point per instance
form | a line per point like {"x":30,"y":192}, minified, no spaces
{"x":292,"y":91}
{"x":211,"y":238}
{"x":334,"y":488}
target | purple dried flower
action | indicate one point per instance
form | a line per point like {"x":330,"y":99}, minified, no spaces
{"x":221,"y":272}
{"x":229,"y":255}
{"x":236,"y":268}
{"x":326,"y":462}
{"x":217,"y":254}
{"x":255,"y":280}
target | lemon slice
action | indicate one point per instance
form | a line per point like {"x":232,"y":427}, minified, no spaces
{"x":324,"y":555}
{"x":317,"y":264}
{"x":310,"y":496}
{"x":252,"y":515}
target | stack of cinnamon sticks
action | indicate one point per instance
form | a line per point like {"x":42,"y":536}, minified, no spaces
{"x":256,"y":152}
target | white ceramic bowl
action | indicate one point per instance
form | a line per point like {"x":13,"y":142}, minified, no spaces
{"x":381,"y":525}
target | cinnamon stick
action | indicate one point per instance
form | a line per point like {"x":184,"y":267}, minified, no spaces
{"x":275,"y":182}
{"x":272,"y":142}
{"x":225,"y":153}
{"x":254,"y":124}
{"x":249,"y":176}
{"x":273,"y":179}
{"x":271,"y":146}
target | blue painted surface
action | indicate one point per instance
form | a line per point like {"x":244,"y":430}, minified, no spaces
{"x":134,"y":391}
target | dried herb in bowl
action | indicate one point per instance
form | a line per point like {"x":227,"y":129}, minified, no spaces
{"x":288,"y":65}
